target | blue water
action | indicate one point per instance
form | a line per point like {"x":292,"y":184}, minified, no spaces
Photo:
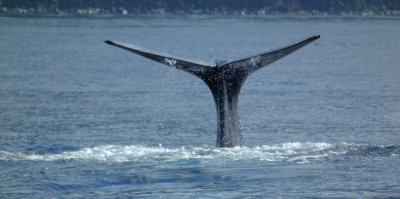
{"x":82,"y":119}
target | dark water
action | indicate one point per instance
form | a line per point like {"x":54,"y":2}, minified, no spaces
{"x":81,"y":119}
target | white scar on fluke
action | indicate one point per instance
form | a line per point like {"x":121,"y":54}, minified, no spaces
{"x":224,"y":79}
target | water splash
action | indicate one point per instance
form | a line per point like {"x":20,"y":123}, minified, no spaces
{"x":294,"y":152}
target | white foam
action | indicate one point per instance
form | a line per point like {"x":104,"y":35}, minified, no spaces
{"x":297,"y":152}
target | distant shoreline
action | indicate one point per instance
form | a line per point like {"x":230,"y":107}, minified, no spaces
{"x":26,"y":13}
{"x":202,"y":7}
{"x":21,"y":11}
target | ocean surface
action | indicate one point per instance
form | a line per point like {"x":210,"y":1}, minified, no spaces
{"x":82,"y":119}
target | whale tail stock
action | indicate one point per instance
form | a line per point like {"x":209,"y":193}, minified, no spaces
{"x":224,"y":80}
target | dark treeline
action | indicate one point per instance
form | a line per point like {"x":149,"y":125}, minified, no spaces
{"x":257,"y":7}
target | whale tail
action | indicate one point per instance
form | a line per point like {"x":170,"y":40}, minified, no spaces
{"x":199,"y":68}
{"x":224,"y":80}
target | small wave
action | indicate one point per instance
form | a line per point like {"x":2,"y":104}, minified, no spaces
{"x":286,"y":152}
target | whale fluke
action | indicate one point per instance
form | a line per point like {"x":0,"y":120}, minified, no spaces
{"x":195,"y":67}
{"x":255,"y":62}
{"x":224,"y":79}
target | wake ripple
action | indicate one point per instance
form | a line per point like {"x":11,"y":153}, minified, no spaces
{"x":286,"y":152}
